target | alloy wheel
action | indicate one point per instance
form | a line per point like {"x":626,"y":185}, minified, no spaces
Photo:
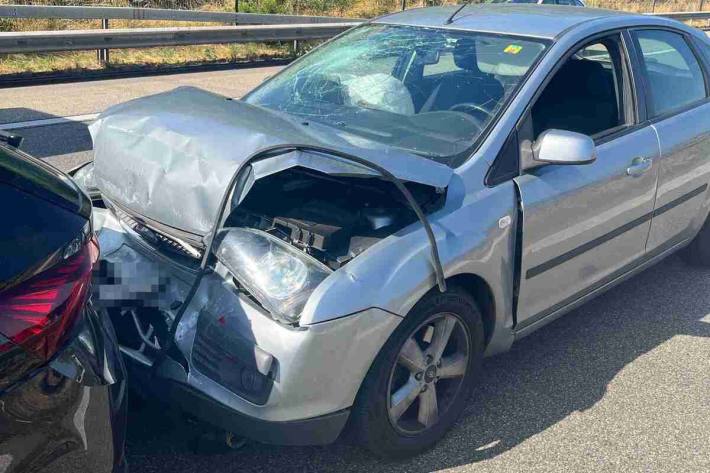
{"x":428,"y":374}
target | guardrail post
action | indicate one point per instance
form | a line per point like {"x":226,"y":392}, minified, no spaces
{"x":404,"y":5}
{"x":102,"y":54}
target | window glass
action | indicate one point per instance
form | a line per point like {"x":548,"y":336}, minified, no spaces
{"x":425,"y":90}
{"x":673,"y":73}
{"x":585,"y":95}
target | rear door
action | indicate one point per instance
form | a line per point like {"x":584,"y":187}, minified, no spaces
{"x":676,"y":92}
{"x":583,"y":226}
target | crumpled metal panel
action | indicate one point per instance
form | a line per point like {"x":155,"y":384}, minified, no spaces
{"x":171,"y":156}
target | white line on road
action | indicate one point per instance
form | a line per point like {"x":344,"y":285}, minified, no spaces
{"x":49,"y":121}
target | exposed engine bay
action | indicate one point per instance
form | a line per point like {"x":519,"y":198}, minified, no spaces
{"x":332,"y":218}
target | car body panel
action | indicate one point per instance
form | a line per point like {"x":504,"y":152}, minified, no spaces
{"x":329,"y":357}
{"x":684,"y":170}
{"x":583,"y":223}
{"x":541,"y":21}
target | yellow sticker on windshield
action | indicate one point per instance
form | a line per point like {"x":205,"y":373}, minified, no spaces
{"x":513,"y":49}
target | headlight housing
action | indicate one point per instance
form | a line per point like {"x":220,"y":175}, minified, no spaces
{"x":279,"y":276}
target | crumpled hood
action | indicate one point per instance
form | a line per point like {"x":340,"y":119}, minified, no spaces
{"x":170,"y":157}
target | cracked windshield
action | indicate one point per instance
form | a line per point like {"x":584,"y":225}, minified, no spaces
{"x":428,"y":91}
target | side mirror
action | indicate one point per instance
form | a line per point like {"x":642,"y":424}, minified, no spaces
{"x":564,"y":147}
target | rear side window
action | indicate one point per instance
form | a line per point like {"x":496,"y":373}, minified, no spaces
{"x":673,"y":73}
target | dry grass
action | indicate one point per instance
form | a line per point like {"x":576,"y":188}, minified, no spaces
{"x":86,"y":60}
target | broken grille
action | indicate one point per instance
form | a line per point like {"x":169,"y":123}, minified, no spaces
{"x":158,"y":240}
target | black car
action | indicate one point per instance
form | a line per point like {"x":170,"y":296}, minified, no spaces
{"x":62,"y":382}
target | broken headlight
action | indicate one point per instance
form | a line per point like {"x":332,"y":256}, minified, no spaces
{"x":278,"y":275}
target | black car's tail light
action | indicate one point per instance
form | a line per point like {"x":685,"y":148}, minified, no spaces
{"x":37,"y":314}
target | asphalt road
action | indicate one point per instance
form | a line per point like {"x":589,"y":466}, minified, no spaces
{"x":68,"y":144}
{"x":621,"y":384}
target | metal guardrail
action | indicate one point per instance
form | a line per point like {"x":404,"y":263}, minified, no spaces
{"x":121,"y":13}
{"x":685,"y":16}
{"x":249,"y":27}
{"x":49,"y":41}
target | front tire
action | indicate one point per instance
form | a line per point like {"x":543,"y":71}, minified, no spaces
{"x":419,"y":383}
{"x":698,"y":252}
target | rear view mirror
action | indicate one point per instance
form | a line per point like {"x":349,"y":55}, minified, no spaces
{"x":564,"y":147}
{"x":428,"y":57}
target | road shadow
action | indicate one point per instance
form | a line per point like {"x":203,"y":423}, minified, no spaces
{"x":560,"y":369}
{"x":22,"y":114}
{"x":50,"y":141}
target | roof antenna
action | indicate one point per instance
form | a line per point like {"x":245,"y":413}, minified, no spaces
{"x":458,"y":10}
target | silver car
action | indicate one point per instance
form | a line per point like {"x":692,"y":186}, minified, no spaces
{"x":346,"y":243}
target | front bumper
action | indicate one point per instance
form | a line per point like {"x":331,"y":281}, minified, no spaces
{"x":312,"y":373}
{"x":320,"y":430}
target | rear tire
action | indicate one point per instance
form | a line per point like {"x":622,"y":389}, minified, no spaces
{"x":698,"y":252}
{"x":447,"y":374}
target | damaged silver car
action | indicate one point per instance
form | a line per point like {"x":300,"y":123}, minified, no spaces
{"x":345,"y":244}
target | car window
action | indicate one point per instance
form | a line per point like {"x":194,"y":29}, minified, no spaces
{"x":586,"y":95}
{"x":426,"y":90}
{"x":673,"y":74}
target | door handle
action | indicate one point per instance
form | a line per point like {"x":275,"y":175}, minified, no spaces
{"x":639,"y":166}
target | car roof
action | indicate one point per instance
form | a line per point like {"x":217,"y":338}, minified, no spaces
{"x":542,"y":21}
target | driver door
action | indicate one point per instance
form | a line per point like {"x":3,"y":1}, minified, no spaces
{"x":584,"y":225}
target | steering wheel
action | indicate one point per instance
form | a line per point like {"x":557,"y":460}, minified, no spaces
{"x":471,"y":106}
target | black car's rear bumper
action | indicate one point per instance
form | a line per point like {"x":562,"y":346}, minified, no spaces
{"x":320,"y":430}
{"x":70,"y":414}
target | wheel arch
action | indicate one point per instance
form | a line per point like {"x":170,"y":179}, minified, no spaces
{"x":482,"y":293}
